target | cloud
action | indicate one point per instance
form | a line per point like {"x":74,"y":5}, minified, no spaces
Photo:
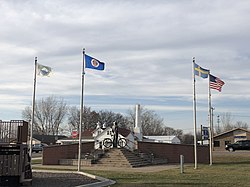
{"x":147,"y":47}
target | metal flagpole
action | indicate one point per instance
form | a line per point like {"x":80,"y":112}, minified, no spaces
{"x":81,"y":113}
{"x":33,"y":108}
{"x":212,"y":125}
{"x":194,"y":118}
{"x":209,"y":120}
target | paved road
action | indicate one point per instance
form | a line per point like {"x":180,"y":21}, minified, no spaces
{"x":235,"y":153}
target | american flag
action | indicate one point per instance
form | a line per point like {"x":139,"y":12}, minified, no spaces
{"x":216,"y":83}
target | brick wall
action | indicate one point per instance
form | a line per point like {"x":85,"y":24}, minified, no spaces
{"x":52,"y":154}
{"x":172,"y":152}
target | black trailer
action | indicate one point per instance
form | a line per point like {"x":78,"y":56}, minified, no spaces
{"x":15,"y":161}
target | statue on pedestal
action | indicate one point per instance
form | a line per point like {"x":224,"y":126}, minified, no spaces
{"x":115,"y":133}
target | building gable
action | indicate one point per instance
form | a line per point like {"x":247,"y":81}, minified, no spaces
{"x":103,"y":132}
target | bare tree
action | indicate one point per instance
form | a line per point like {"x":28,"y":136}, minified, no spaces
{"x":48,"y":115}
{"x":241,"y":124}
{"x":169,"y":131}
{"x":109,"y":117}
{"x":151,"y":123}
{"x":187,"y":139}
{"x":73,"y":118}
{"x":227,"y":121}
{"x":91,"y":118}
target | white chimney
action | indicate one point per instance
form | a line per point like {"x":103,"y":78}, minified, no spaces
{"x":137,"y":128}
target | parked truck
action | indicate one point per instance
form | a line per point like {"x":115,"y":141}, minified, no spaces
{"x":15,"y":161}
{"x":239,"y":145}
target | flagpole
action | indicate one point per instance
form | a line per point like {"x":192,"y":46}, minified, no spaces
{"x":212,"y":126}
{"x":81,"y":113}
{"x":209,"y":120}
{"x":33,"y":108}
{"x":194,"y":118}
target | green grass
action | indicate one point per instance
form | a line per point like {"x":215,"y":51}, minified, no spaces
{"x":229,"y":170}
{"x":37,"y":161}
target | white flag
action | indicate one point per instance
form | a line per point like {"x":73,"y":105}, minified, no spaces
{"x":43,"y":70}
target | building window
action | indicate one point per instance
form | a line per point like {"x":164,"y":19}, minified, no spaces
{"x":227,"y":142}
{"x":216,"y":143}
{"x":108,"y":133}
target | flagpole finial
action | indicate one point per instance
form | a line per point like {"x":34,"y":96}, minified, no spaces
{"x":83,"y":50}
{"x":36,"y":58}
{"x":193,"y":58}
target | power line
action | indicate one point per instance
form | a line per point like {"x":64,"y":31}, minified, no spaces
{"x":238,"y":115}
{"x":241,"y":116}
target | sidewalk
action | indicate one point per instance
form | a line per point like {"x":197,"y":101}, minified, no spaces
{"x":145,"y":169}
{"x":103,"y":181}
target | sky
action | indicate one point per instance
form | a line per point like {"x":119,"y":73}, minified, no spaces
{"x":147,"y":47}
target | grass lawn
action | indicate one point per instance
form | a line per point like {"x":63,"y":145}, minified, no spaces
{"x":229,"y":169}
{"x":37,"y":161}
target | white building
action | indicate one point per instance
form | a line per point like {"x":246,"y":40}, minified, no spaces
{"x":102,"y":134}
{"x":162,"y":139}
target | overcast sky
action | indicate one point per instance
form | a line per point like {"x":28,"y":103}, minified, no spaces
{"x":147,"y":47}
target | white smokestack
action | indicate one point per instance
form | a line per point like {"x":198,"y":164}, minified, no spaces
{"x":137,"y":129}
{"x":137,"y":116}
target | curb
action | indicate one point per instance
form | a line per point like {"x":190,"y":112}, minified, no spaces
{"x":103,"y":181}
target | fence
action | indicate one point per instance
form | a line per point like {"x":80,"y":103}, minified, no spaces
{"x":14,"y":131}
{"x":15,"y":164}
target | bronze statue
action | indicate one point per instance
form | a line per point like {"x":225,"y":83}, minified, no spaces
{"x":115,"y":132}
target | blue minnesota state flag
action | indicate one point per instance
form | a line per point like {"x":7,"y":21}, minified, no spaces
{"x":93,"y":63}
{"x":201,"y":72}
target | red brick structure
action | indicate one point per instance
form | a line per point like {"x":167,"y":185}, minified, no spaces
{"x":52,"y":154}
{"x":172,"y":152}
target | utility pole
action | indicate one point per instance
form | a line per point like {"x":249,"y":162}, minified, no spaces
{"x":218,"y":124}
{"x":202,"y":135}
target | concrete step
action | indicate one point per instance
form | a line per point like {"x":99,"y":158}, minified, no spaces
{"x":122,"y":157}
{"x":117,"y":158}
